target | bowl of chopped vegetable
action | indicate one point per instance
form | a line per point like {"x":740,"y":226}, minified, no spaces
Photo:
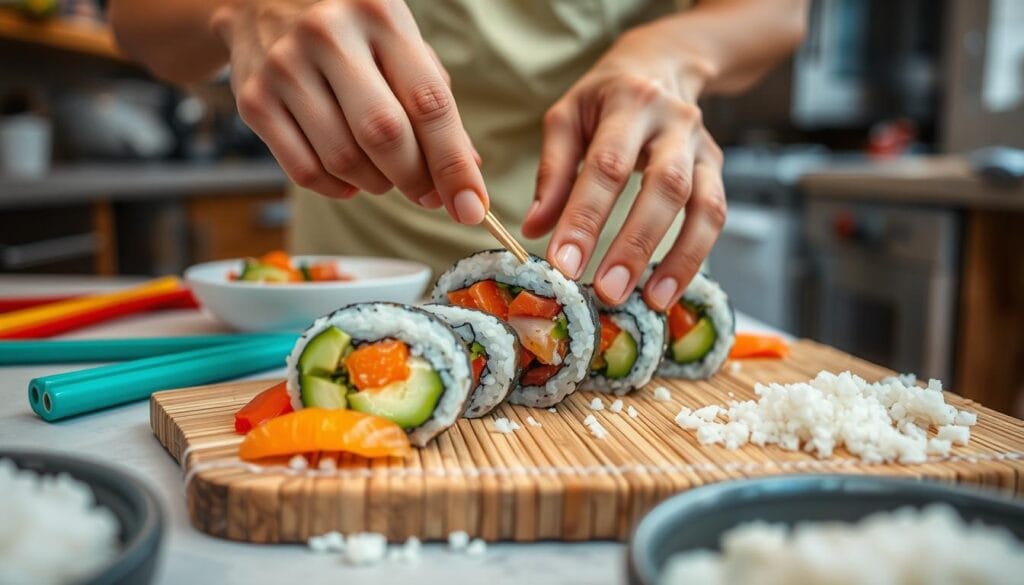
{"x":276,"y":292}
{"x":828,"y":529}
{"x":71,"y":520}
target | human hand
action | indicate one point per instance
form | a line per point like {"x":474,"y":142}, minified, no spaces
{"x":634,"y":110}
{"x":348,"y":97}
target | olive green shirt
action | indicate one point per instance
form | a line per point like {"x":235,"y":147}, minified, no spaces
{"x":509,"y":62}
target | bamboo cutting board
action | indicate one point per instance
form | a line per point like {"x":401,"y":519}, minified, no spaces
{"x":555,"y":481}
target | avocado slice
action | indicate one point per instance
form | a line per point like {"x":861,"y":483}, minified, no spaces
{"x":408,"y":403}
{"x":322,"y":355}
{"x":696,"y":343}
{"x":620,"y":356}
{"x":321,"y":392}
{"x":256,"y":272}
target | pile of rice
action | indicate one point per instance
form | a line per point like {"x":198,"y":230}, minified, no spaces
{"x":904,"y":547}
{"x":51,"y":530}
{"x":878,"y":422}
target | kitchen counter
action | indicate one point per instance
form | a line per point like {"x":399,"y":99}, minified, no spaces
{"x":932,"y":180}
{"x":139,"y":180}
{"x":122,"y":437}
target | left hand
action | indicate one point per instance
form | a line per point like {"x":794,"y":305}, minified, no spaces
{"x":634,"y":110}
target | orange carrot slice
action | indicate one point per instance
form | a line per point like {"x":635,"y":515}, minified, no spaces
{"x":319,"y":429}
{"x":378,"y":364}
{"x":758,"y":345}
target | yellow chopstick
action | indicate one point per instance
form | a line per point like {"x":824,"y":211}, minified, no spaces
{"x":505,"y":238}
{"x":49,"y":312}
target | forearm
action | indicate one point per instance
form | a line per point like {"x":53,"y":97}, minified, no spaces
{"x":176,"y":40}
{"x":725,"y":46}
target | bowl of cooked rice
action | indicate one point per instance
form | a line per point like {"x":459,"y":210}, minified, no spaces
{"x":817,"y":529}
{"x":68,"y":520}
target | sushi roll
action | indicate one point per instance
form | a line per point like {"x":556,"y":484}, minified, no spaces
{"x":393,"y":361}
{"x":633,"y":339}
{"x":493,"y":353}
{"x":702,"y":329}
{"x":555,"y":322}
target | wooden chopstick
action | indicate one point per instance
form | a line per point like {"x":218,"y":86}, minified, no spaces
{"x":505,"y":238}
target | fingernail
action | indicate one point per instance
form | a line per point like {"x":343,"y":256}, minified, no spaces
{"x":614,"y":282}
{"x":662,"y":293}
{"x":431,"y":200}
{"x":568,"y":259}
{"x":468,"y":208}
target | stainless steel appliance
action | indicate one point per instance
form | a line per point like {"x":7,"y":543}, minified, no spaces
{"x":886,"y":282}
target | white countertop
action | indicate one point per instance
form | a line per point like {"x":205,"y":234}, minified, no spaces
{"x":122,"y":437}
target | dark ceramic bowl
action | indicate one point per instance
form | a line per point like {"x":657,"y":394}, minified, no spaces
{"x":697,"y":519}
{"x":133,"y":504}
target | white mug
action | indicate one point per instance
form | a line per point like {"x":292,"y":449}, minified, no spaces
{"x":24,"y":145}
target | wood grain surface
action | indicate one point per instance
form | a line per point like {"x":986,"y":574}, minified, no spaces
{"x":552,"y":482}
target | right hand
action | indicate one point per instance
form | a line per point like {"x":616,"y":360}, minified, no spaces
{"x":349,"y":97}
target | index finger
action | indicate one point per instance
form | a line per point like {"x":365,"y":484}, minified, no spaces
{"x":430,"y":105}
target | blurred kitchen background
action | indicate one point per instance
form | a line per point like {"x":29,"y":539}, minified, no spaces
{"x":876,"y":200}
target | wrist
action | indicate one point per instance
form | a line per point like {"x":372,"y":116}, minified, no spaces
{"x":688,"y":67}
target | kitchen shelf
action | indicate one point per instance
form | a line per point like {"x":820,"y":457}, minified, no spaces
{"x":79,"y":37}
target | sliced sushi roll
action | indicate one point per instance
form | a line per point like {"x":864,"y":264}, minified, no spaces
{"x":493,"y":353}
{"x":555,"y":322}
{"x":393,"y":361}
{"x":633,"y":339}
{"x":702,"y":329}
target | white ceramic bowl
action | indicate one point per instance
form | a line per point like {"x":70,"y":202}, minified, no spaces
{"x":253,"y":306}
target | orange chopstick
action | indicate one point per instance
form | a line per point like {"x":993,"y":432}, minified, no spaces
{"x":758,"y":345}
{"x":11,"y":323}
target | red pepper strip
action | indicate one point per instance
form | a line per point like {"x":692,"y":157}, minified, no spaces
{"x":479,"y":363}
{"x":758,"y":345}
{"x":681,"y":320}
{"x":175,"y":299}
{"x":538,"y":375}
{"x":271,"y":403}
{"x":609,"y":331}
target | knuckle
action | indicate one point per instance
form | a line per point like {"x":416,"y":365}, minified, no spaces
{"x":673,"y":183}
{"x":643,"y":89}
{"x":280,"y":62}
{"x":431,"y":101}
{"x":714,"y":151}
{"x":251,"y":102}
{"x":341,"y":161}
{"x":380,"y":12}
{"x":715,"y":209}
{"x":687,"y":112}
{"x":585,"y":222}
{"x":555,"y":118}
{"x":382,"y":128}
{"x":305,"y":174}
{"x":639,"y":244}
{"x":454,"y":164}
{"x":685,"y":262}
{"x":611,"y":167}
{"x":316,"y":24}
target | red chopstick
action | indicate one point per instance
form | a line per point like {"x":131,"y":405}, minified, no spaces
{"x":178,"y":299}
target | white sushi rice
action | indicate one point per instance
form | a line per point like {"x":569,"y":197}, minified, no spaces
{"x":595,"y":427}
{"x":706,"y":293}
{"x":632,"y":411}
{"x":476,"y":548}
{"x":649,"y":330}
{"x":616,"y":406}
{"x":502,"y":349}
{"x":51,"y":529}
{"x":503,"y":425}
{"x":365,"y":548}
{"x":539,"y":277}
{"x":425,"y":334}
{"x":902,"y":547}
{"x":532,"y":421}
{"x":458,"y":540}
{"x":662,"y":394}
{"x":597,"y":404}
{"x":878,"y":422}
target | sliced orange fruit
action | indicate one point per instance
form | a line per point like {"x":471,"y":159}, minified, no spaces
{"x":319,"y":429}
{"x":378,"y":364}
